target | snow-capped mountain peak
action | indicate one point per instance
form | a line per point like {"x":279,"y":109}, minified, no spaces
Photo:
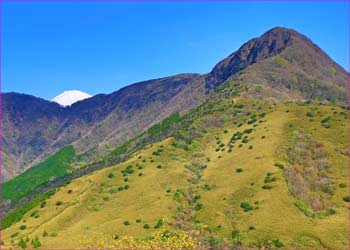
{"x":67,"y":98}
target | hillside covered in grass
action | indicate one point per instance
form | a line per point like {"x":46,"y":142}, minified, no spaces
{"x":252,"y":154}
{"x":242,"y":172}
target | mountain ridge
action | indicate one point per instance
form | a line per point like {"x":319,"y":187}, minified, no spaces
{"x":138,"y":106}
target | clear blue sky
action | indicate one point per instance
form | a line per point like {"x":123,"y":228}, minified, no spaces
{"x":100,"y":47}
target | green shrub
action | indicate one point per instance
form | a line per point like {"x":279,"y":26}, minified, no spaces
{"x":69,"y":191}
{"x":14,"y":235}
{"x":126,"y":223}
{"x":22,"y":227}
{"x":113,"y":189}
{"x":251,"y":228}
{"x":235,"y":234}
{"x":198,"y":206}
{"x":331,"y":211}
{"x":45,"y":234}
{"x":248,"y":131}
{"x":278,"y":243}
{"x":251,"y":121}
{"x":59,"y":203}
{"x":129,"y":170}
{"x":342,"y":185}
{"x":36,"y":242}
{"x":279,"y":165}
{"x":267,"y":186}
{"x":34,"y":213}
{"x":304,"y":208}
{"x":246,"y":206}
{"x":110,"y":175}
{"x":326,"y":126}
{"x":239,"y":170}
{"x":159,"y":166}
{"x":207,"y":187}
{"x":250,"y":147}
{"x":138,"y":220}
{"x":22,"y":244}
{"x":43,"y":204}
{"x":269,"y":178}
{"x":106,"y":197}
{"x":140,"y":174}
{"x":245,"y":140}
{"x":146,"y":226}
{"x":159,"y":224}
{"x":346,"y":198}
{"x":325,"y":120}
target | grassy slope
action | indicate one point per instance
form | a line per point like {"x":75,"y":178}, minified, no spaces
{"x":91,"y":208}
{"x":54,"y":167}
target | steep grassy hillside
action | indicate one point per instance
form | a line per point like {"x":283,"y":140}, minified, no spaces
{"x":242,"y":172}
{"x":55,"y":166}
{"x":251,"y":154}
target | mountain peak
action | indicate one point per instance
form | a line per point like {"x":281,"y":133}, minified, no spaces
{"x":280,"y":29}
{"x":67,"y":98}
{"x":269,"y":44}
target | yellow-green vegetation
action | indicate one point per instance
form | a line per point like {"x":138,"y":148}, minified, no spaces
{"x":243,"y":173}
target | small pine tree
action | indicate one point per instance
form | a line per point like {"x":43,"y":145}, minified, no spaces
{"x":22,"y":244}
{"x":36,"y":242}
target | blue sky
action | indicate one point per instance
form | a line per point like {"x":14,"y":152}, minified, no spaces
{"x":100,"y":47}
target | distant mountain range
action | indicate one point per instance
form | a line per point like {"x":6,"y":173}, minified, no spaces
{"x":281,"y":65}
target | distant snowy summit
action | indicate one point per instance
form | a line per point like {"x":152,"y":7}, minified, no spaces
{"x":67,"y":98}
